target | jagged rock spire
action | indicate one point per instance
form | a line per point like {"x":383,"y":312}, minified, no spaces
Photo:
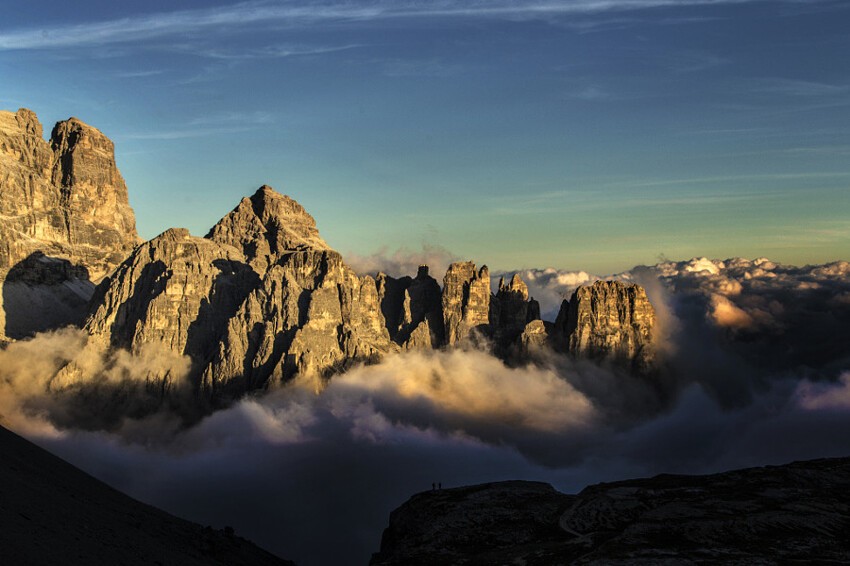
{"x":466,"y":301}
{"x":266,"y":225}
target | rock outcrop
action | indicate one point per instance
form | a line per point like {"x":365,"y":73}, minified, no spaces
{"x":511,"y":312}
{"x":265,"y":226}
{"x":608,"y":320}
{"x":412,"y":309}
{"x":799,"y":512}
{"x":176,"y":292}
{"x":60,"y":200}
{"x":436,"y":527}
{"x":465,"y":301}
{"x":310,"y":317}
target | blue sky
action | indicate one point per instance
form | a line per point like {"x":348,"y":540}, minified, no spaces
{"x":585,"y":134}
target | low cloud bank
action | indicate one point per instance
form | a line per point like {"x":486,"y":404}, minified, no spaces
{"x":757,"y":372}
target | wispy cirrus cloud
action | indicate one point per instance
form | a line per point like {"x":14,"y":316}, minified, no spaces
{"x":230,"y":117}
{"x":184,"y":133}
{"x":219,"y":123}
{"x":235,"y":18}
{"x":434,"y":68}
{"x":138,"y":74}
{"x":269,"y":51}
{"x":800,"y":88}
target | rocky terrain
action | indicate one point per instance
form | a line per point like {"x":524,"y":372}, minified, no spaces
{"x":54,"y":513}
{"x":66,"y":221}
{"x":798,"y":512}
{"x":261,"y":300}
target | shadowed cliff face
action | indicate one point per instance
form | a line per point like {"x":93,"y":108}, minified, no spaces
{"x":42,"y":293}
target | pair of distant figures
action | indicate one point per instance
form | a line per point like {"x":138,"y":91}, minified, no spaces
{"x":436,"y":486}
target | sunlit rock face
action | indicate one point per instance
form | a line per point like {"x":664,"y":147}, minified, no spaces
{"x":61,"y":200}
{"x":175,"y":292}
{"x":465,"y":301}
{"x":609,"y":320}
{"x":266,"y":225}
{"x":310,"y":317}
{"x":776,"y":514}
{"x":64,"y":197}
{"x":534,"y":339}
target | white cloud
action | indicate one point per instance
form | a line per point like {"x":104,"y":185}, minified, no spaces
{"x":229,"y":18}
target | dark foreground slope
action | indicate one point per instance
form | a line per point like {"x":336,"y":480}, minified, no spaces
{"x":53,"y":513}
{"x":798,"y":512}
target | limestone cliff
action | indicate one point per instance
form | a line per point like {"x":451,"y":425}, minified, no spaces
{"x":61,"y":200}
{"x":311,"y":316}
{"x":465,"y":301}
{"x":64,"y":197}
{"x":266,"y":225}
{"x":176,"y":292}
{"x":609,"y":320}
{"x":511,"y":310}
{"x":254,"y":305}
{"x":412,"y":309}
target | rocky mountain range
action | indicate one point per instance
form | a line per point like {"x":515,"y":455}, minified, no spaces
{"x":787,"y":514}
{"x":261,"y":300}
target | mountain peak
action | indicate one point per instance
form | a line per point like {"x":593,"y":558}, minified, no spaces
{"x":266,"y":225}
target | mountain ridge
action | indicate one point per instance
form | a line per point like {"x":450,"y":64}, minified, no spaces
{"x":261,"y":300}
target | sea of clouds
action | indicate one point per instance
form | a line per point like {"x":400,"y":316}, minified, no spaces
{"x":756,"y":371}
